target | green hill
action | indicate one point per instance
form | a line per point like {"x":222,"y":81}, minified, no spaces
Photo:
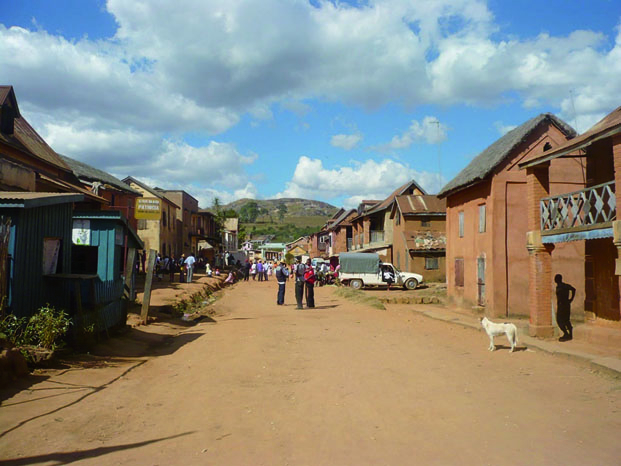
{"x":287,"y":219}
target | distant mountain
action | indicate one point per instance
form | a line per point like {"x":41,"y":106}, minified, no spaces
{"x":295,"y":207}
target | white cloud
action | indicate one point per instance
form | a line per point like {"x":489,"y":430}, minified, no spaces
{"x":429,"y":131}
{"x":201,"y":65}
{"x":168,"y":70}
{"x":346,"y":141}
{"x":376,"y":179}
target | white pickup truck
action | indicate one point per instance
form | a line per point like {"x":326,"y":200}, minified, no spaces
{"x":360,"y":269}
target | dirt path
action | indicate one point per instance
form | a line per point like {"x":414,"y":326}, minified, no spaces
{"x":338,"y":385}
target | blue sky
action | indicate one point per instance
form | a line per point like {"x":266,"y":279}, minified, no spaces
{"x":336,"y":101}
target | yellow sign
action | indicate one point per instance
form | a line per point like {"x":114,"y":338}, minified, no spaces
{"x":148,"y":208}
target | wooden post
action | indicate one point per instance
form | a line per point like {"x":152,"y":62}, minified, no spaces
{"x":130,"y":292}
{"x":146,"y":299}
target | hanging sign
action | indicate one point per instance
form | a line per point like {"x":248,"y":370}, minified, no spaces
{"x":148,"y":208}
{"x":81,"y":232}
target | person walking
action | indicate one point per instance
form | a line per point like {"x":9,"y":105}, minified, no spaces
{"x":172,"y":268}
{"x":268,"y":270}
{"x":181,"y":265}
{"x":189,"y":262}
{"x":282,"y":274}
{"x":246,"y":268}
{"x":260,"y":270}
{"x":565,"y":294}
{"x":309,"y":284}
{"x":300,"y":269}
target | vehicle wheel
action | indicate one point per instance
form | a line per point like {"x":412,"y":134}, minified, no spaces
{"x":356,"y":284}
{"x":411,"y":284}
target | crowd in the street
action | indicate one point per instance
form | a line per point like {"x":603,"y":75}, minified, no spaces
{"x":303,"y":274}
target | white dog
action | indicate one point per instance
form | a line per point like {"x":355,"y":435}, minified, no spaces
{"x":494,"y":330}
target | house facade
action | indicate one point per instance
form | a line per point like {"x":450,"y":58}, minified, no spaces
{"x":419,"y":236}
{"x":583,"y":218}
{"x":185,"y":220}
{"x":120,"y":196}
{"x":372,"y":227}
{"x":341,"y":232}
{"x":487,"y":259}
{"x":160,"y":233}
{"x":230,"y":232}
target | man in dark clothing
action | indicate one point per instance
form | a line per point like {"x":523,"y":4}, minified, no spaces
{"x":563,"y":307}
{"x":282,"y":273}
{"x":299,"y":282}
{"x":309,"y":284}
{"x":246,"y":268}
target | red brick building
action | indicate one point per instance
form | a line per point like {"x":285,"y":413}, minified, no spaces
{"x":120,"y":196}
{"x":487,"y":259}
{"x":583,"y":217}
{"x":372,"y":228}
{"x":419,"y":236}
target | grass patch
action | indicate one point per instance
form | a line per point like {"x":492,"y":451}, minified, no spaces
{"x":360,"y":297}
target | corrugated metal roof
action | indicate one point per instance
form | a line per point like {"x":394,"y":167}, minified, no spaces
{"x":84,"y":171}
{"x":24,"y":137}
{"x":487,"y":161}
{"x":30,"y":199}
{"x":397,"y":192}
{"x":607,"y":126}
{"x":72,"y":188}
{"x":340,"y":220}
{"x":426,"y":204}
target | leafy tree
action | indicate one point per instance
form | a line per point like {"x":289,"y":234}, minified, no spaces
{"x":289,"y":258}
{"x":219,"y":216}
{"x":249,"y":212}
{"x":282,"y":210}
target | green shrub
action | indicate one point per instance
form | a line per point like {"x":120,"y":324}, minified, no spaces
{"x":44,"y":329}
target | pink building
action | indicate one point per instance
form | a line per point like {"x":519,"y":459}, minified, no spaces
{"x":487,"y":221}
{"x":580,"y":218}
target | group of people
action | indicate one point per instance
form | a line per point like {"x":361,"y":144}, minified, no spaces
{"x":304,"y":276}
{"x":257,"y":268}
{"x":170,"y":265}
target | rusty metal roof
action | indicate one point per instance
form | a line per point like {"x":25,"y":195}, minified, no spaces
{"x":606,"y":127}
{"x":421,"y":205}
{"x":30,"y":199}
{"x":24,"y":137}
{"x":397,"y":192}
{"x":84,"y":171}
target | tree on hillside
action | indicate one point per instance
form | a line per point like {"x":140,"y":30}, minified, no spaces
{"x":249,"y":212}
{"x":282,"y":210}
{"x":219,"y":216}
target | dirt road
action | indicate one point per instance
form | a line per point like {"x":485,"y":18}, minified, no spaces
{"x":337,"y":385}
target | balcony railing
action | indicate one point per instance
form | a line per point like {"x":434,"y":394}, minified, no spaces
{"x":580,"y":209}
{"x":377,"y":236}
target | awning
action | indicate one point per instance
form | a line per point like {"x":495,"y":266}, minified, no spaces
{"x":577,"y":236}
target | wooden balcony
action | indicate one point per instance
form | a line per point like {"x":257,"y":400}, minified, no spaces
{"x":588,"y":209}
{"x":377,"y":236}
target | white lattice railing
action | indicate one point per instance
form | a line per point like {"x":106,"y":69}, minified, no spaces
{"x":591,"y":206}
